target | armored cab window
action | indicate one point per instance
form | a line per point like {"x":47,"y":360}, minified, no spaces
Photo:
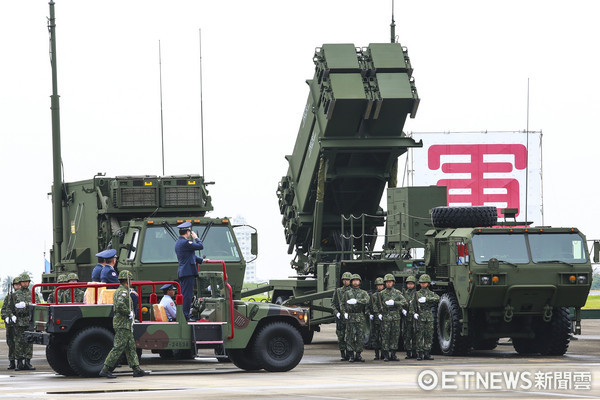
{"x":133,"y":245}
{"x":510,"y":248}
{"x":557,"y":247}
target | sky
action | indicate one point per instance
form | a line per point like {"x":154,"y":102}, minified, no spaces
{"x":472,"y":60}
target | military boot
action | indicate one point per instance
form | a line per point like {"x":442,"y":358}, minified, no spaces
{"x":358,"y":357}
{"x":420,"y":356}
{"x":28,"y":364}
{"x":343,"y":355}
{"x":12,"y":365}
{"x":20,"y":365}
{"x":376,"y":355}
{"x":428,"y":356}
{"x":105,"y":373}
{"x":394,"y":357}
{"x":408,"y":355}
{"x":386,"y":356}
{"x":138,"y":372}
{"x":350,"y":355}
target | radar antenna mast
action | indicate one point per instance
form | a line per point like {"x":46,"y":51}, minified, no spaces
{"x":393,"y":26}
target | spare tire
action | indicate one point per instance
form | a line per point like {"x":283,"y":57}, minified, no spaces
{"x":464,"y":217}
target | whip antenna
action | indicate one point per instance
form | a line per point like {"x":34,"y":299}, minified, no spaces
{"x":201,"y":109}
{"x":162,"y":136}
{"x":393,"y":26}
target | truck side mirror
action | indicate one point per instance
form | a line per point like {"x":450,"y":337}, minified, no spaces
{"x":254,"y":243}
{"x":493,"y":264}
{"x":596,"y":251}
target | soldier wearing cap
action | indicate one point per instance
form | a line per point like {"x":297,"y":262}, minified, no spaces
{"x":109,"y":274}
{"x":97,"y":271}
{"x":185,"y":249}
{"x":21,"y":301}
{"x":167,"y":301}
{"x":426,"y":300}
{"x":409,"y":322}
{"x":356,"y":303}
{"x":123,"y":327}
{"x":62,"y":278}
{"x":375,"y":310}
{"x":10,"y":319}
{"x":392,"y":304}
{"x":65,"y":296}
{"x":338,"y":310}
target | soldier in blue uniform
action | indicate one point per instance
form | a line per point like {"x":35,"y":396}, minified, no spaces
{"x":97,"y":271}
{"x":109,"y":275}
{"x":167,"y":301}
{"x":185,"y":248}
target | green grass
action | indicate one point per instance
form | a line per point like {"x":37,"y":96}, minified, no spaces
{"x":261,"y":297}
{"x":593,"y":302}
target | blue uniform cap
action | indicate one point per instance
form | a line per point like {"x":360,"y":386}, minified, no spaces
{"x":110,"y":253}
{"x":167,"y":286}
{"x":185,"y":225}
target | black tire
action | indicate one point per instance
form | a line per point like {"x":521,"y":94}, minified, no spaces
{"x":449,"y":327}
{"x":464,"y":217}
{"x":307,"y":335}
{"x":88,"y":350}
{"x":243,"y":359}
{"x":56,"y":355}
{"x":525,"y":346}
{"x":278,"y":347}
{"x":485,"y":344}
{"x":554,"y":337}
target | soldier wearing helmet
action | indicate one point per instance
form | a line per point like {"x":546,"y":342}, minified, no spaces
{"x":123,"y":326}
{"x":65,"y":295}
{"x":356,"y":302}
{"x":426,"y":300}
{"x":338,"y":311}
{"x":376,"y":322}
{"x":409,"y":322}
{"x":10,"y":319}
{"x":62,"y":278}
{"x":21,"y":299}
{"x":392,"y":303}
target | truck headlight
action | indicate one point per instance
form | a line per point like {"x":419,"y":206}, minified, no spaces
{"x":582,"y":279}
{"x":485,"y":280}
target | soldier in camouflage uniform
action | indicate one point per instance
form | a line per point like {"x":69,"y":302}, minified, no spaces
{"x":392,"y":303}
{"x":356,"y":305}
{"x":65,"y":295}
{"x":409,"y":322}
{"x":426,"y":300}
{"x":21,"y":302}
{"x":123,"y":326}
{"x":375,"y":321}
{"x":338,"y":310}
{"x":10,"y":319}
{"x":62,"y":278}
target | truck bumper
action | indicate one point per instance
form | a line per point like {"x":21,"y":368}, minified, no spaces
{"x":37,"y":337}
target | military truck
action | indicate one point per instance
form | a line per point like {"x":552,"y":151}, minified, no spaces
{"x":514,"y":284}
{"x":135,"y":215}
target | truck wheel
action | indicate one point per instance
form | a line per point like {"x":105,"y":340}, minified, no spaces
{"x":56,"y":355}
{"x":242,"y":358}
{"x":278,"y":347}
{"x":88,"y":350}
{"x":554,"y":337}
{"x":307,"y":335}
{"x":449,"y":327}
{"x":464,"y":217}
{"x":525,"y":346}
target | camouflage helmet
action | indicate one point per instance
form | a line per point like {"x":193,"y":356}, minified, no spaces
{"x":125,"y":274}
{"x":424,"y":278}
{"x":24,"y":277}
{"x":356,"y":276}
{"x":411,"y":278}
{"x":346,"y":275}
{"x":379,"y":281}
{"x":61,"y":278}
{"x":16,"y":280}
{"x":389,"y":277}
{"x":72,"y":276}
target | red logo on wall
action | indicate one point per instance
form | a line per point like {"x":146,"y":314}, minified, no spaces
{"x":478,"y":190}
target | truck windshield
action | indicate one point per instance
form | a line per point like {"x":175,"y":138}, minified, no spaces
{"x":557,"y":247}
{"x":159,"y":246}
{"x":504,"y":247}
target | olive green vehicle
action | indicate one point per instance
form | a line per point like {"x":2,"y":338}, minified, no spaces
{"x":136,"y":215}
{"x":494,"y":282}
